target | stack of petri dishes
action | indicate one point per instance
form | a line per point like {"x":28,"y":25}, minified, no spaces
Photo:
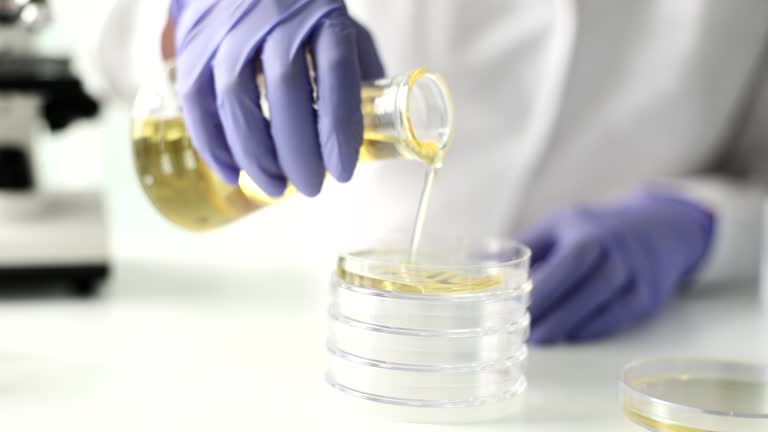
{"x":439,"y":340}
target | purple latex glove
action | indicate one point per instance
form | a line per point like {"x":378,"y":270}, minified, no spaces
{"x":597,"y":271}
{"x":220,"y":47}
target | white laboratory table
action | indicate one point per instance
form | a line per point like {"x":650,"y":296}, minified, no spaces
{"x":223,"y":352}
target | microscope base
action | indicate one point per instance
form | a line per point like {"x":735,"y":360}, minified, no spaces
{"x":84,"y":280}
{"x":53,"y":238}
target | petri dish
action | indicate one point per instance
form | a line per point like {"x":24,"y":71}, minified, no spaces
{"x":488,"y":311}
{"x":442,"y":385}
{"x":694,"y":395}
{"x":424,"y":346}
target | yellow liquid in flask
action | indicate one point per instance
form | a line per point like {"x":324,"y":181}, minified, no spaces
{"x":188,"y":193}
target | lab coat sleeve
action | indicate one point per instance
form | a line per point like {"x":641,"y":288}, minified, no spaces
{"x":737,"y":205}
{"x":116,"y":42}
{"x":736,"y":193}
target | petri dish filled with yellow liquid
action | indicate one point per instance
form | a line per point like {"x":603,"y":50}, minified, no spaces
{"x":694,"y":395}
{"x":439,"y":339}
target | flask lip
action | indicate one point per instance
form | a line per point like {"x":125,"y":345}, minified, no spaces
{"x":413,"y":145}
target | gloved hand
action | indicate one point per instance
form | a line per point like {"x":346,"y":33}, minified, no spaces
{"x":597,"y":271}
{"x":220,"y":47}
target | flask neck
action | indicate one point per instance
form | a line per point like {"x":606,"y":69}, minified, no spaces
{"x":411,"y":113}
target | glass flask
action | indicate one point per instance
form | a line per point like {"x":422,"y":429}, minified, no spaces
{"x":408,"y":116}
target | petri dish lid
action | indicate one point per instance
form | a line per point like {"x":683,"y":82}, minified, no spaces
{"x":695,"y":395}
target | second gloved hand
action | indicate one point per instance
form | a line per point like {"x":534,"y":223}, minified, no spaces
{"x":220,"y":48}
{"x":597,"y":271}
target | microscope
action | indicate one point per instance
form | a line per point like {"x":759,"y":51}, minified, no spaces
{"x":46,"y":236}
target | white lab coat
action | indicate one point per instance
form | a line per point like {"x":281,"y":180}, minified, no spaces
{"x":564,"y":102}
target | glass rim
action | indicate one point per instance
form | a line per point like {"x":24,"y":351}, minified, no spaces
{"x":491,"y":295}
{"x":522,"y":254}
{"x":421,"y":74}
{"x":627,"y":387}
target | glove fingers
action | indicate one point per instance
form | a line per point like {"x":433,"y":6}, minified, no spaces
{"x":371,"y":66}
{"x":292,"y":115}
{"x":613,"y":317}
{"x":652,"y":284}
{"x":340,"y":121}
{"x":205,"y":130}
{"x":634,"y":303}
{"x":244,"y":125}
{"x":570,"y":260}
{"x":540,"y":241}
{"x":584,"y":297}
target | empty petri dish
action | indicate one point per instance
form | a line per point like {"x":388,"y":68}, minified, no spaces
{"x":428,"y":385}
{"x":425,"y":347}
{"x":695,"y":395}
{"x":486,"y":310}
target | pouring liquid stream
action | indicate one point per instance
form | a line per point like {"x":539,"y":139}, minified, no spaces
{"x":421,"y":215}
